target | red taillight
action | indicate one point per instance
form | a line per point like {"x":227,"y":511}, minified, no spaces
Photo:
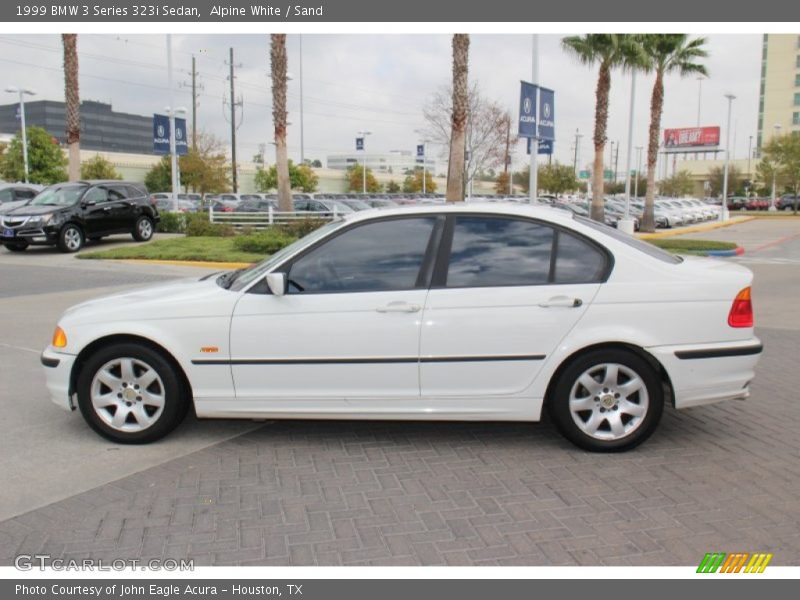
{"x":741,"y":314}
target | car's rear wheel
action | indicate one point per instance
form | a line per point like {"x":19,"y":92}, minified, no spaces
{"x":607,"y":400}
{"x":143,"y":229}
{"x":70,"y":238}
{"x":131,"y":394}
{"x":18,"y":247}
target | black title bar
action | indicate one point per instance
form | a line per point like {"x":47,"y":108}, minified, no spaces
{"x":331,"y":11}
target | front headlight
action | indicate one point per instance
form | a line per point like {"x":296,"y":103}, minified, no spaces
{"x":39,"y":221}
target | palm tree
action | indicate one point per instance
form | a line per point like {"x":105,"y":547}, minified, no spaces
{"x":608,"y":50}
{"x":279,"y":78}
{"x":458,"y":129}
{"x":72,"y":102}
{"x":666,"y":53}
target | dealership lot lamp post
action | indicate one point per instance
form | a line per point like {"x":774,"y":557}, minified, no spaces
{"x":364,"y":135}
{"x":424,"y":159}
{"x":173,"y":151}
{"x":772,"y":204}
{"x":724,"y":212}
{"x":22,"y":93}
{"x":626,"y":224}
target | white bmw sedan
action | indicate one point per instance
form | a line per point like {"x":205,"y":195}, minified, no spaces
{"x":469,"y":312}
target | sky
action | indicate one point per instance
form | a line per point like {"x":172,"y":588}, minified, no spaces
{"x":380,"y":83}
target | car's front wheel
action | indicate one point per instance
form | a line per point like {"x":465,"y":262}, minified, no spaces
{"x":131,"y":394}
{"x":607,"y":401}
{"x":70,"y":238}
{"x":18,"y":247}
{"x":143,"y":229}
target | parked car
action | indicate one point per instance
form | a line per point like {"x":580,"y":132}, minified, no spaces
{"x":321,"y":206}
{"x":356,"y":204}
{"x":167,"y":202}
{"x":483,"y":312}
{"x":787,"y":202}
{"x":68,"y":214}
{"x":382,"y":203}
{"x":13,"y":195}
{"x":256,"y":203}
{"x":227,"y":199}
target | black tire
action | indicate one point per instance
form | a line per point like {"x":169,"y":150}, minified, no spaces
{"x":143,"y":229}
{"x":18,"y":247}
{"x":559,"y":403}
{"x":176,"y":395}
{"x":71,"y":238}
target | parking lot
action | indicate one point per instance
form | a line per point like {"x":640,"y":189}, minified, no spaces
{"x":718,"y":478}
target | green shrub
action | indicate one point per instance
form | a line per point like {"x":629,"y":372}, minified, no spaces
{"x":268,"y":241}
{"x":302,"y":227}
{"x":171,"y":222}
{"x":691,"y":245}
{"x":198,"y":225}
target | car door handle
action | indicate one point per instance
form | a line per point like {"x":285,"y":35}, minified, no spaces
{"x":561,"y":302}
{"x":399,"y":307}
{"x":107,"y":208}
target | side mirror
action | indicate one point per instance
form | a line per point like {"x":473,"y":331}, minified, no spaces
{"x":86,"y":203}
{"x":276,"y":282}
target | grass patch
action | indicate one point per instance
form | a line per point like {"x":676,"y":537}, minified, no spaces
{"x":206,"y":249}
{"x":683,"y":246}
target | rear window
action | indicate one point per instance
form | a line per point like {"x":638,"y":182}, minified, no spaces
{"x":633,"y":242}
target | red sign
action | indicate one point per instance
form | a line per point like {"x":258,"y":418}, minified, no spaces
{"x":691,"y":137}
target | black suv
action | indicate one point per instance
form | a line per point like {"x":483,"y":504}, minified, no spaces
{"x":68,"y":214}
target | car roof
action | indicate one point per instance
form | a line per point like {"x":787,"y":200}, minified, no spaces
{"x":495,"y":208}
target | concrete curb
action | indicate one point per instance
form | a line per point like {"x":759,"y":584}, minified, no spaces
{"x":184,"y":263}
{"x":694,"y":228}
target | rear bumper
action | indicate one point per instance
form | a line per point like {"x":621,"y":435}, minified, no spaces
{"x":707,"y":373}
{"x":57,"y":369}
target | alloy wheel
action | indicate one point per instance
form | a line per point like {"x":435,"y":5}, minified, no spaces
{"x":127,"y":394}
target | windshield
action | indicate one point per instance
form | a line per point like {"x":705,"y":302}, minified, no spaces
{"x":247,"y":276}
{"x":65,"y":195}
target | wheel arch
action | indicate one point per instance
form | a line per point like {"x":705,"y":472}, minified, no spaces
{"x":637,"y":350}
{"x":106,"y":340}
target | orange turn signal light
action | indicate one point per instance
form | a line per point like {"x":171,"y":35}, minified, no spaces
{"x":59,"y":338}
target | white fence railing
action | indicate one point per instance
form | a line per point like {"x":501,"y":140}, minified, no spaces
{"x":259,"y":220}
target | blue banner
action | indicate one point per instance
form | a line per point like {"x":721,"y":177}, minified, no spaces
{"x":161,"y":135}
{"x":547,"y":112}
{"x":420,"y":150}
{"x":527,"y":109}
{"x":545,"y":146}
{"x":359,"y":143}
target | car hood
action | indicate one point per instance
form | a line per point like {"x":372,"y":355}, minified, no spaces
{"x":180,"y":299}
{"x":29,"y":210}
{"x":7,"y":207}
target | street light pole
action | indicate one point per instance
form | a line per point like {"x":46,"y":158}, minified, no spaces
{"x":172,"y":149}
{"x":578,"y":137}
{"x":364,"y":135}
{"x":626,"y":224}
{"x":724,"y":212}
{"x":699,"y":96}
{"x":772,"y":204}
{"x":533,"y":179}
{"x":302,"y":137}
{"x":22,"y":92}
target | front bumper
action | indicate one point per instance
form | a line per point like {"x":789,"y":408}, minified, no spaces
{"x":42,"y":235}
{"x":57,"y":371}
{"x":707,"y":373}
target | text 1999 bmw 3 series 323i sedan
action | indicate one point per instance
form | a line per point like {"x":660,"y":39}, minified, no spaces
{"x":435,"y":312}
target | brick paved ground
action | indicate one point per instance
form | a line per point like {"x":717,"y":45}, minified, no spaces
{"x":724,"y":477}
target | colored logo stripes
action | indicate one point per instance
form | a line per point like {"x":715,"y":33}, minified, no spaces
{"x":736,"y":562}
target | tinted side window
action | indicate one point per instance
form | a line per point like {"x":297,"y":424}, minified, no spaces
{"x":118,"y":192}
{"x":96,"y":194}
{"x":495,"y":251}
{"x":25,"y":194}
{"x":578,"y":261}
{"x":382,"y":256}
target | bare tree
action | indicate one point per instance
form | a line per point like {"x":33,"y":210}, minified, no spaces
{"x":487,"y":128}
{"x":279,"y":64}
{"x":72,"y":104}
{"x":458,"y":124}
